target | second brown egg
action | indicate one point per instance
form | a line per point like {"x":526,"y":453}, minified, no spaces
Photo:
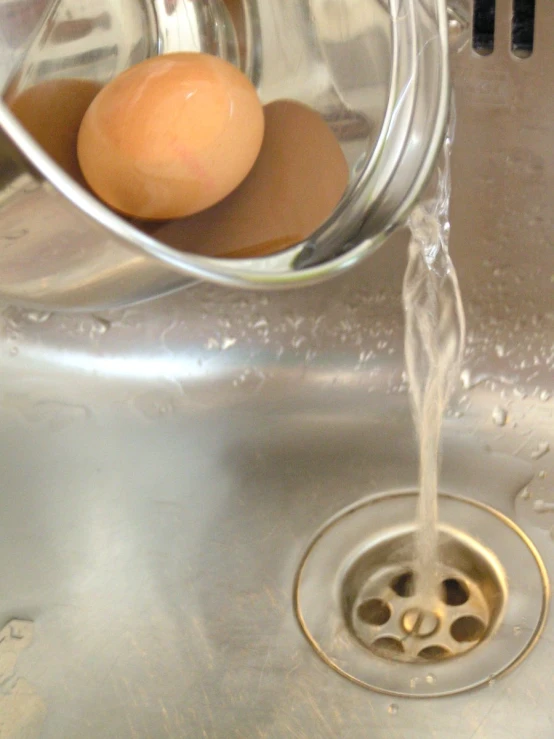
{"x":296,"y":183}
{"x":52,"y":112}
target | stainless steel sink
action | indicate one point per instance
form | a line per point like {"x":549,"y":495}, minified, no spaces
{"x":165,"y":467}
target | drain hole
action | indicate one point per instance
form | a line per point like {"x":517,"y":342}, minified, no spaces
{"x":387,"y":645}
{"x":454,"y":592}
{"x":374,"y":612}
{"x":403,"y":585}
{"x":483,"y":26}
{"x":523,"y":28}
{"x":467,"y":628}
{"x":434,"y":652}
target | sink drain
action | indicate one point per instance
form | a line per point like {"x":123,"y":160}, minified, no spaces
{"x":386,"y":613}
{"x":358,"y":603}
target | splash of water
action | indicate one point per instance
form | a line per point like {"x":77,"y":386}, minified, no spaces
{"x":434,"y":345}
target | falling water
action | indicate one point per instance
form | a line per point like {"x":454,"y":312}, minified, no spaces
{"x":434,"y":344}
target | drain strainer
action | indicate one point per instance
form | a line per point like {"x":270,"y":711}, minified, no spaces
{"x":388,"y":616}
{"x":358,"y":603}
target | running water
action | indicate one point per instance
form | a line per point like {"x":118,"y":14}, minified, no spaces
{"x":434,"y":344}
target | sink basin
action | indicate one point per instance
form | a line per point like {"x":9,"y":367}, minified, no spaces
{"x":165,"y":467}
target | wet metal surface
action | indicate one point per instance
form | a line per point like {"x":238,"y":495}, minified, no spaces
{"x":164,"y":468}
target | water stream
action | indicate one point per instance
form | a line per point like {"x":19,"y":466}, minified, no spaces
{"x":434,"y":345}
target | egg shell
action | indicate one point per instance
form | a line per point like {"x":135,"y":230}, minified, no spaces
{"x":171,"y":136}
{"x":294,"y":186}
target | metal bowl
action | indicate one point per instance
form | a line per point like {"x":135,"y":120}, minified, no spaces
{"x":62,"y":248}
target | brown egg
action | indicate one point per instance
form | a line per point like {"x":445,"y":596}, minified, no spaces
{"x":52,"y":112}
{"x":296,"y":183}
{"x":171,"y":136}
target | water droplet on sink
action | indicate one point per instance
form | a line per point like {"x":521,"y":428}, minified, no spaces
{"x":393,"y":709}
{"x":543,"y":447}
{"x":543,"y":506}
{"x":154,"y":405}
{"x":430,"y":679}
{"x":542,"y":474}
{"x":99,"y":327}
{"x":212,"y":344}
{"x":227,"y":342}
{"x":499,"y":415}
{"x":36,"y":316}
{"x":516,"y":630}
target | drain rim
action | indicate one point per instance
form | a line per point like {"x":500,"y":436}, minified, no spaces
{"x":346,"y":655}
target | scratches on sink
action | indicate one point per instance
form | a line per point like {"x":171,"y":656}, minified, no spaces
{"x":540,"y":449}
{"x":483,"y":721}
{"x":262,"y":671}
{"x":55,"y":415}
